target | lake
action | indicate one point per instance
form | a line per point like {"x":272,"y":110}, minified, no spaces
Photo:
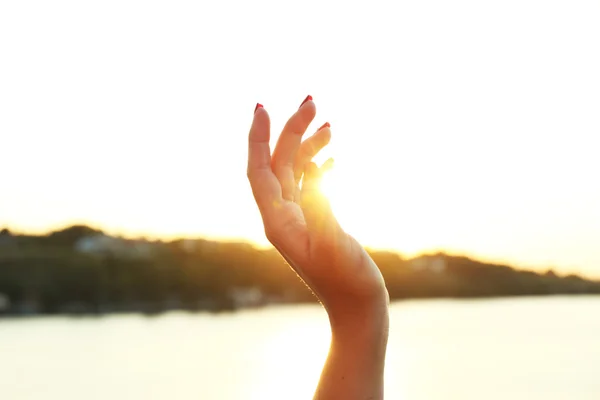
{"x":519,"y":348}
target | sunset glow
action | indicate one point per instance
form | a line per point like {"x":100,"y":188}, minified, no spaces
{"x":472,"y":136}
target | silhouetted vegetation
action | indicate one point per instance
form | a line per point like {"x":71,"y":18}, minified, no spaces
{"x":81,"y":270}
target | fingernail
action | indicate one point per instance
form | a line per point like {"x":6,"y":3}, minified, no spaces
{"x":308,"y":98}
{"x":325,"y":125}
{"x":258,"y":105}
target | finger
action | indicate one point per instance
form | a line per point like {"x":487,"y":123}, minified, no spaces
{"x":265,"y":186}
{"x":320,"y":221}
{"x":299,"y":168}
{"x":310,"y":148}
{"x":287,"y":147}
{"x":327,"y":166}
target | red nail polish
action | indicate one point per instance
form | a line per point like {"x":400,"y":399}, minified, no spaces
{"x":258,"y":105}
{"x":308,"y":98}
{"x":325,"y":125}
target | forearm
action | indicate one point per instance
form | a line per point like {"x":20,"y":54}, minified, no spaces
{"x":355,"y":365}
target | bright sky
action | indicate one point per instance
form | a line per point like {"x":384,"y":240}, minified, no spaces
{"x":465,"y":126}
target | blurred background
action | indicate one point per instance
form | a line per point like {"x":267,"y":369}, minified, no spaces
{"x":133,"y":263}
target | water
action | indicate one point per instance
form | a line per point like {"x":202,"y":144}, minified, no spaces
{"x":530,"y":348}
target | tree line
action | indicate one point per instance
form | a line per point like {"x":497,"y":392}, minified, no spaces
{"x":81,"y":270}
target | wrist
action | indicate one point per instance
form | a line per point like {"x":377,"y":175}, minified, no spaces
{"x":356,"y":324}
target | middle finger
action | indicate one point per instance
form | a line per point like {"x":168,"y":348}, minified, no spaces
{"x":287,"y":147}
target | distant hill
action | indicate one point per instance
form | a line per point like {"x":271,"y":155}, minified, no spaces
{"x":83,"y":270}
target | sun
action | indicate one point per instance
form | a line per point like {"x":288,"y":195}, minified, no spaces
{"x":337,"y":187}
{"x":365,"y":204}
{"x":330,"y":186}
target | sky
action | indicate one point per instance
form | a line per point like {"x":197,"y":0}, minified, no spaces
{"x":466,"y":126}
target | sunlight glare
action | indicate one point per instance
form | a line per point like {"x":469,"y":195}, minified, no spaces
{"x":328,"y":185}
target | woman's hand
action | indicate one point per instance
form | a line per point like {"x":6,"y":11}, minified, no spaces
{"x":300,"y":224}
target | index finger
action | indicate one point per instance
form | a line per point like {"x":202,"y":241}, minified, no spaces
{"x":265,"y":186}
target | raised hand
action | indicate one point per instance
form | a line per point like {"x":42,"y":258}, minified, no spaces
{"x":299,"y":222}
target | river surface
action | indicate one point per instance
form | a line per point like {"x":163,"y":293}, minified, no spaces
{"x":545,"y":348}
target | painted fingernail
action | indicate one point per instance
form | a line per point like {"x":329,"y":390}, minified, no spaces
{"x":308,"y":98}
{"x":258,"y":105}
{"x":325,"y":125}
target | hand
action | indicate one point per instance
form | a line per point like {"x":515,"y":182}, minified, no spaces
{"x":299,"y":221}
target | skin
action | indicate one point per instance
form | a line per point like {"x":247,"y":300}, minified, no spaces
{"x":299,"y":222}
